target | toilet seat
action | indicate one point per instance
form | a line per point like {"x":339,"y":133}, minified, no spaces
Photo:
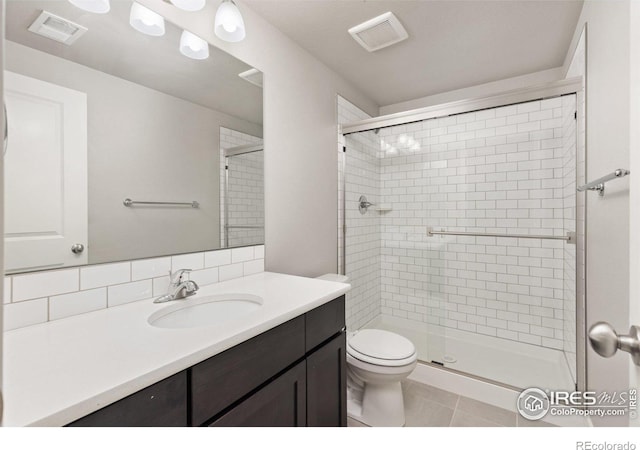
{"x":381,"y":348}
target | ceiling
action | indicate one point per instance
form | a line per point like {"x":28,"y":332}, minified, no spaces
{"x":451,"y":45}
{"x":112,"y":46}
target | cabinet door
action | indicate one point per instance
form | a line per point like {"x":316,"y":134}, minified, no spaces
{"x":163,"y":404}
{"x":327,"y":384}
{"x":281,"y":403}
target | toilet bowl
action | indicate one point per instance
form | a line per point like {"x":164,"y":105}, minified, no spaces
{"x":377,"y":361}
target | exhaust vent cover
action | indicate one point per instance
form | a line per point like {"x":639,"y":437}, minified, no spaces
{"x":57,"y":28}
{"x":379,"y":32}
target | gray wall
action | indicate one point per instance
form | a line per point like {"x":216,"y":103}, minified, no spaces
{"x":145,"y":145}
{"x":608,"y":99}
{"x":300,"y":126}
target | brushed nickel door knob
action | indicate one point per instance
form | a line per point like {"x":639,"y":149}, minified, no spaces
{"x":606,"y":342}
{"x":77,"y":248}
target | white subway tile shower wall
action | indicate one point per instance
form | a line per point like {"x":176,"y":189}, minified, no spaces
{"x":246,"y":199}
{"x":34,"y":298}
{"x":363,"y":232}
{"x":498,"y":170}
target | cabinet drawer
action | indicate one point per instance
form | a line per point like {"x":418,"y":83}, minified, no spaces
{"x":225,"y":378}
{"x":324,"y":322}
{"x":281,"y":403}
{"x":163,"y":404}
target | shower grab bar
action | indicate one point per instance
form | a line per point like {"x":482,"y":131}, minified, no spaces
{"x":569,"y":238}
{"x":128,"y":203}
{"x":245,"y":226}
{"x":598,"y":185}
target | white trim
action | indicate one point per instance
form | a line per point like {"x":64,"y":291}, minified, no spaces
{"x":541,"y":91}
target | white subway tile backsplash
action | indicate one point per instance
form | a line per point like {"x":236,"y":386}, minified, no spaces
{"x":241,"y":254}
{"x":205,"y":276}
{"x":217,"y":258}
{"x":43,"y":284}
{"x":193,"y":261}
{"x":52,"y":295}
{"x":129,"y":292}
{"x":160,"y":286}
{"x":252,"y":267}
{"x":6,"y":292}
{"x":23,"y":314}
{"x":104,"y":275}
{"x":230,"y":272}
{"x":150,"y":268}
{"x":61,"y":306}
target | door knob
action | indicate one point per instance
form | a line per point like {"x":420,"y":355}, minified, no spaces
{"x":606,"y":342}
{"x":77,"y":248}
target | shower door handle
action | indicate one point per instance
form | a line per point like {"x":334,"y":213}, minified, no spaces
{"x":606,"y":342}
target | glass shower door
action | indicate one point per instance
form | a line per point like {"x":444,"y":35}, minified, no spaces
{"x":386,"y":248}
{"x":243,"y":199}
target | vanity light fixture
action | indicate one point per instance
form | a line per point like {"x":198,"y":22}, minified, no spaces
{"x":189,"y":5}
{"x":229,"y":25}
{"x":193,"y":47}
{"x":94,"y":6}
{"x":146,"y":21}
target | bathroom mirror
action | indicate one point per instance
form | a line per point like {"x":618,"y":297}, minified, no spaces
{"x":120,"y":146}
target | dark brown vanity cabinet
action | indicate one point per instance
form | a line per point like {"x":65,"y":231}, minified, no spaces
{"x":291,"y":375}
{"x":163,"y":404}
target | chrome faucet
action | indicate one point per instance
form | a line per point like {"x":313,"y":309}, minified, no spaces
{"x":178,"y":288}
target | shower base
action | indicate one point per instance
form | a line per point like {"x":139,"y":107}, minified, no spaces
{"x":501,"y":361}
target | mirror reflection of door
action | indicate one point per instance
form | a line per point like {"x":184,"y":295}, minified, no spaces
{"x":46,"y":211}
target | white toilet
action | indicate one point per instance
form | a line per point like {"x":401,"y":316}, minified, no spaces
{"x":377,"y":361}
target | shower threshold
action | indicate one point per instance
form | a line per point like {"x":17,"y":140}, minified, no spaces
{"x":502,"y":361}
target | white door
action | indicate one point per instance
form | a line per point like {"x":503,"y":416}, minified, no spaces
{"x":45,"y":174}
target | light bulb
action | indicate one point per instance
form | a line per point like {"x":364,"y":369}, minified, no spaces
{"x":146,"y":21}
{"x":193,"y":47}
{"x":189,"y":5}
{"x":229,"y":25}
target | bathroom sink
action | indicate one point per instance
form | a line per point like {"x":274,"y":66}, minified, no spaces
{"x":206,"y":311}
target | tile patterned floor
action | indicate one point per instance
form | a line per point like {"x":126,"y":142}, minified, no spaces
{"x":427,"y":406}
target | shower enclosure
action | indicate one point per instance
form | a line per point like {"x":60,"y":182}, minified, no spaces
{"x":242,"y":205}
{"x":469,"y":239}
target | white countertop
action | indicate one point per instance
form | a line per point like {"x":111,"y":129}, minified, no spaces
{"x":57,"y":372}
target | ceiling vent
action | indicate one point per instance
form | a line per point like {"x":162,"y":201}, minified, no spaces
{"x":253,"y":76}
{"x":379,"y":32}
{"x":57,"y":28}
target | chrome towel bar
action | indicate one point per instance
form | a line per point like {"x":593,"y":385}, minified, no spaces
{"x":128,"y":203}
{"x":253,"y":227}
{"x":598,"y":185}
{"x":570,"y":237}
